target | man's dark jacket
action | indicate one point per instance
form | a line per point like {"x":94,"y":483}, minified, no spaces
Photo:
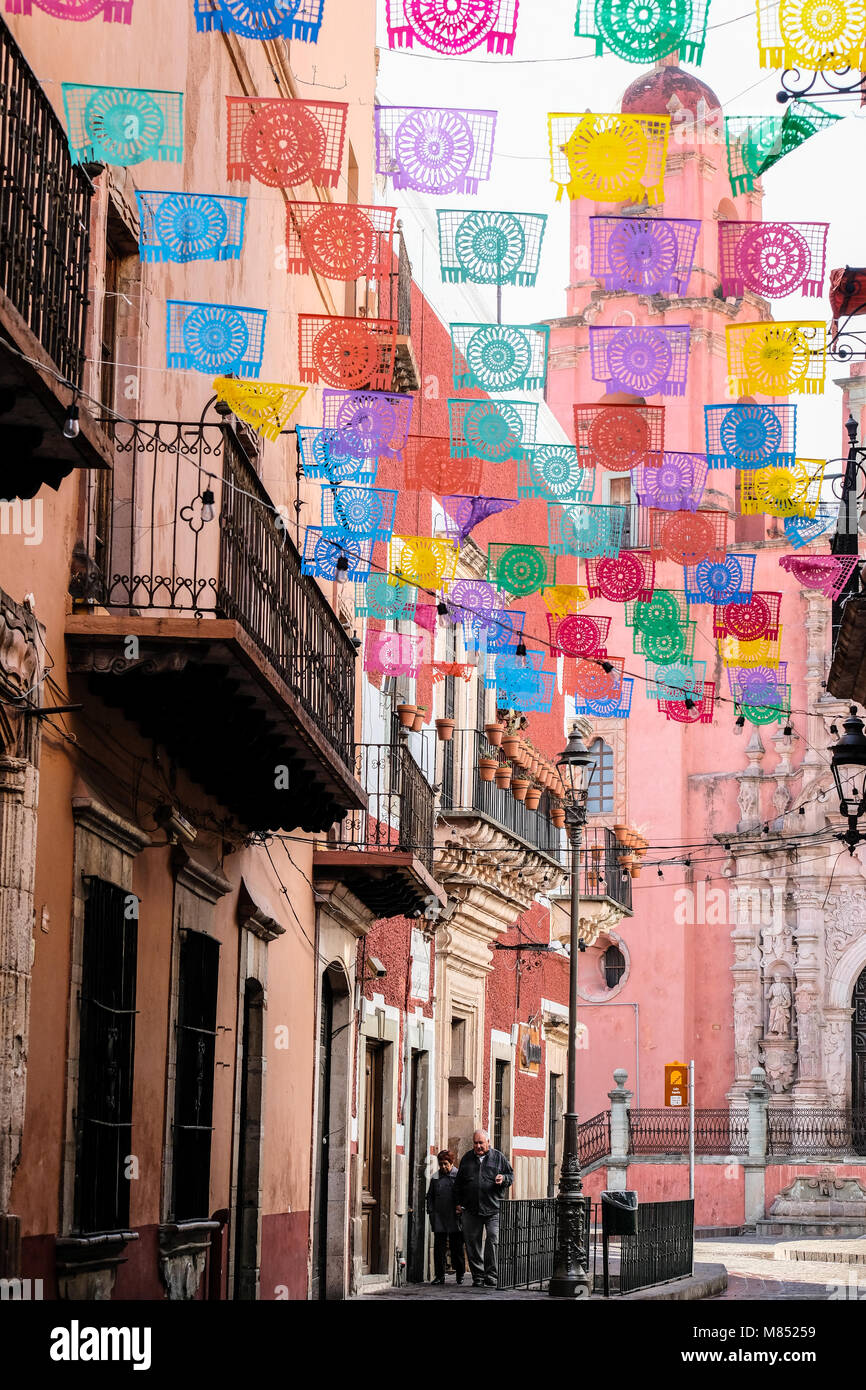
{"x":475,"y":1188}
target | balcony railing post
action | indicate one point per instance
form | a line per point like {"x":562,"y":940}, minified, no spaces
{"x":617,"y":1168}
{"x":755,"y":1164}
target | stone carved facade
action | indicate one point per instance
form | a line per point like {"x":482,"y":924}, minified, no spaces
{"x":20,"y":683}
{"x":813,"y":948}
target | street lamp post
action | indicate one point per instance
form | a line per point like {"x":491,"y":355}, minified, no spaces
{"x":570,"y":1276}
{"x":849,"y":773}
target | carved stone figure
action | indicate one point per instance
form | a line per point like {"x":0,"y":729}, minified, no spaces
{"x":779,"y":1000}
{"x":745,"y":1021}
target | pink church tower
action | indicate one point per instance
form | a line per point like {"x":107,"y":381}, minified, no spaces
{"x":688,"y":786}
{"x":696,"y":186}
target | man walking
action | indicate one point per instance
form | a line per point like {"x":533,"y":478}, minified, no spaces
{"x":482,"y":1178}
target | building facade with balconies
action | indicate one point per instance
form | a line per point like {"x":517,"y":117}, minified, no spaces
{"x":181,"y":715}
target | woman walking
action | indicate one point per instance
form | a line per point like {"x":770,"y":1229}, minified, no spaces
{"x":443,"y":1219}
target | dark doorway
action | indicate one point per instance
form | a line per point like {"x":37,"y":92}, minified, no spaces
{"x":417,"y":1158}
{"x":500,"y":1103}
{"x":554,"y":1130}
{"x":371,"y":1172}
{"x":326,"y":1029}
{"x":249,"y":1145}
{"x":330,"y":1210}
{"x":858,"y":1064}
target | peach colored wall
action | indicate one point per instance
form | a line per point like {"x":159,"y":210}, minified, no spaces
{"x":161,"y":49}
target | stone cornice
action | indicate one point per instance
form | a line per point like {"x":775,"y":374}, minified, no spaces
{"x":343,"y":906}
{"x":481,"y":856}
{"x":92,"y":816}
{"x":197,"y":878}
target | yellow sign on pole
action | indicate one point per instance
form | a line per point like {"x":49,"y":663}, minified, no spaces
{"x":677,"y":1084}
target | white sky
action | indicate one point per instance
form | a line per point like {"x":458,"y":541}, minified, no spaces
{"x":551,"y":70}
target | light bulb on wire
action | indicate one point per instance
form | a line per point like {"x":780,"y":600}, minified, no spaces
{"x":71,"y":427}
{"x":342,"y":573}
{"x":207,"y":505}
{"x":520,"y":654}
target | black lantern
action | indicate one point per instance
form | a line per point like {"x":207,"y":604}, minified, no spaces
{"x":574,"y":762}
{"x":849,"y":774}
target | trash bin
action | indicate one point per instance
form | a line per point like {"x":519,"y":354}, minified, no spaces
{"x":619,"y":1213}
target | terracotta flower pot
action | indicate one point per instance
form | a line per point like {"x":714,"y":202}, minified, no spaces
{"x":418,"y":722}
{"x":519,"y":788}
{"x":503,"y":776}
{"x":621,"y":831}
{"x":510,"y":745}
{"x":445,"y":729}
{"x":557,"y":818}
{"x":407,"y":714}
{"x":494,"y":734}
{"x":635,"y":870}
{"x":533,"y":796}
{"x":487,"y":769}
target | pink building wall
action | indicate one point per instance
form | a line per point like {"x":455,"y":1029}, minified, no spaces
{"x":674,"y":788}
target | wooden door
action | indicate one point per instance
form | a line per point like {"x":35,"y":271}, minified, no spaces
{"x":371,"y":1169}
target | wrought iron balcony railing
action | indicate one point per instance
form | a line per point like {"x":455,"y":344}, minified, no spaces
{"x":165,"y":558}
{"x":400,"y":812}
{"x":667,"y":1131}
{"x":800,"y":1132}
{"x":44,"y":215}
{"x":395,"y":288}
{"x":601,"y":871}
{"x":395,"y":302}
{"x":464,"y":793}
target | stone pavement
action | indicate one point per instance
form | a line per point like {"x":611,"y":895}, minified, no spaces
{"x":708,"y":1280}
{"x":772,"y":1268}
{"x":777,"y":1267}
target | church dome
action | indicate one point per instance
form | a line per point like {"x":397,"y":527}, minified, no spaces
{"x":650,"y":94}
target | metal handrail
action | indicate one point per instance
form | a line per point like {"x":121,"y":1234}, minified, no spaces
{"x":165,"y":557}
{"x":400,"y":813}
{"x":44,"y":216}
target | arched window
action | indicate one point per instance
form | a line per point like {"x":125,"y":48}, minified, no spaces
{"x":600,"y":798}
{"x":613,"y":965}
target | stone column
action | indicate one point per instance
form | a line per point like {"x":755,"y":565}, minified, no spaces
{"x":20,"y":671}
{"x":617,"y":1168}
{"x":756,"y":1162}
{"x":750,"y":781}
{"x":810,"y":1086}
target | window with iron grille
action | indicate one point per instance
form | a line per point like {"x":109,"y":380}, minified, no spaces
{"x":600,"y":796}
{"x":103,"y":1117}
{"x":193,"y":1097}
{"x":500,"y":1097}
{"x":613,"y":964}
